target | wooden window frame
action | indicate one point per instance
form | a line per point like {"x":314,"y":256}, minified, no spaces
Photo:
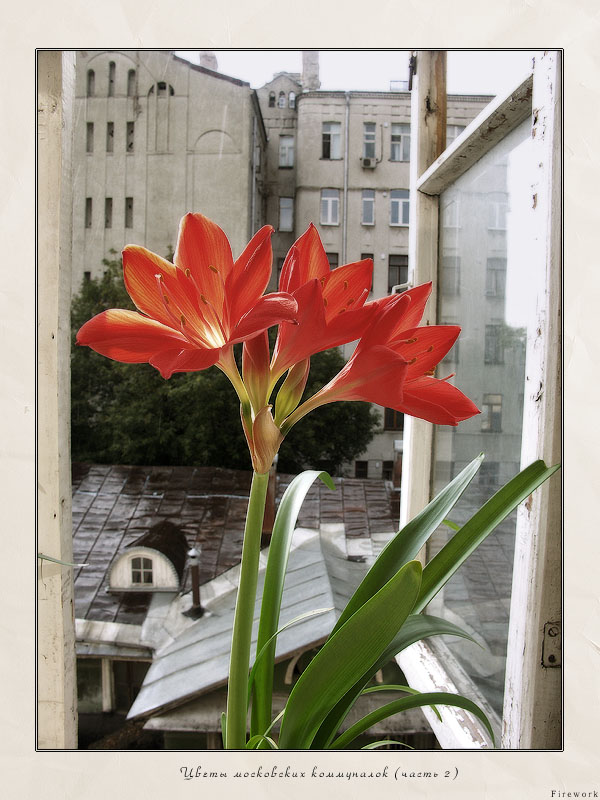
{"x":532,"y":703}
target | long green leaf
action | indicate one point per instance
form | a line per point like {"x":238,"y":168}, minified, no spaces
{"x":443,"y":565}
{"x":279,"y":550}
{"x":405,"y":703}
{"x":415,"y":628}
{"x":259,"y":739}
{"x":382,"y":742}
{"x":346,"y":656}
{"x":409,"y":540}
{"x":287,"y":625}
{"x":395,"y":687}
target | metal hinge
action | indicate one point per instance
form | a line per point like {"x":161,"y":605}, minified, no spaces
{"x":552,"y":645}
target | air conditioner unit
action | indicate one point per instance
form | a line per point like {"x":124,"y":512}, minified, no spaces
{"x":369,"y":163}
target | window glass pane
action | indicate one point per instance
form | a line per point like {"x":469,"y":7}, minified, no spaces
{"x":369,"y":140}
{"x":332,"y":140}
{"x":286,"y":151}
{"x":488,"y":287}
{"x":286,"y":213}
{"x":368,"y":207}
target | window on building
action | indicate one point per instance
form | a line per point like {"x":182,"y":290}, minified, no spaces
{"x":387,"y":470}
{"x":332,"y":140}
{"x":450,"y":274}
{"x":491,"y":418}
{"x":292,"y":99}
{"x":494,"y":348}
{"x":369,"y":130}
{"x":368,"y":207}
{"x":108,"y":205}
{"x":393,"y":420}
{"x":91,"y":83}
{"x":111,"y":79}
{"x":366,"y":255}
{"x":286,"y":151}
{"x":131,"y":83}
{"x":334,"y":260}
{"x":497,"y":209}
{"x":110,"y":137}
{"x":399,"y":206}
{"x":129,"y":212}
{"x":89,"y":138}
{"x":129,"y":136}
{"x":495,"y":277}
{"x":141,"y":570}
{"x":452,"y":132}
{"x":286,"y":213}
{"x":330,"y":207}
{"x":87,"y":275}
{"x":451,"y":356}
{"x":281,"y":101}
{"x":450,"y":214}
{"x":88,"y":212}
{"x":271,"y":99}
{"x":361,"y":469}
{"x":489,"y":474}
{"x":397,"y":270}
{"x":128,"y":677}
{"x":400,"y":145}
{"x":161,"y":89}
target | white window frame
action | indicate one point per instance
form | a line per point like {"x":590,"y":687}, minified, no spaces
{"x":286,"y":210}
{"x":532,"y":702}
{"x":399,"y":208}
{"x":367,"y":216}
{"x":400,"y":141}
{"x":330,"y":207}
{"x":286,"y":150}
{"x":333,"y":129}
{"x":369,"y":139}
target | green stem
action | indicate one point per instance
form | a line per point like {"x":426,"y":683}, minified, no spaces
{"x":239,"y":667}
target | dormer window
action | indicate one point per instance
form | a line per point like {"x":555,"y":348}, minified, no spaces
{"x":282,"y":101}
{"x":141,"y":571}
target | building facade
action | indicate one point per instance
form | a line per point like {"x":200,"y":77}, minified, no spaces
{"x":157,"y":136}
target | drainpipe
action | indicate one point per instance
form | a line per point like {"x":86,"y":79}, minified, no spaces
{"x":253,"y":194}
{"x":345,"y":203}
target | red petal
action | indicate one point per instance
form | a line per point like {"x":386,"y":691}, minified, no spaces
{"x":177,"y":360}
{"x":268,"y":311}
{"x":306,"y":260}
{"x":436,"y":401}
{"x":250,"y":275}
{"x":419,"y":296}
{"x":388,"y":316}
{"x":297,"y":342}
{"x":140,"y":268}
{"x":202,"y":245}
{"x":347,"y":287}
{"x":375,"y":375}
{"x":431,"y":344}
{"x":127,"y":336}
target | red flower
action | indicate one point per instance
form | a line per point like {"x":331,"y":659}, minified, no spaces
{"x":331,"y":303}
{"x":192,"y":311}
{"x":393,"y":365}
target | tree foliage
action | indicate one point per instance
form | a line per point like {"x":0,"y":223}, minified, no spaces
{"x":128,"y":414}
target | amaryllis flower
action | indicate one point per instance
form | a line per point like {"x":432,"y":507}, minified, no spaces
{"x":331,"y":303}
{"x":393,"y":365}
{"x":192,"y":311}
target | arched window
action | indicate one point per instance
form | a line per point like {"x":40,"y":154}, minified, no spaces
{"x":111,"y":79}
{"x":281,"y":102}
{"x":292,"y":100}
{"x":271,"y":99}
{"x":141,"y":571}
{"x":162,"y":89}
{"x":91,"y":83}
{"x":131,"y":83}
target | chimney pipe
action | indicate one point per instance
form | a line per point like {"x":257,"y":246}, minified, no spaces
{"x":310,"y":70}
{"x":196,"y":610}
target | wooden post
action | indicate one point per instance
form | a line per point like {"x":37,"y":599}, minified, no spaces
{"x":532,"y":697}
{"x":57,"y":698}
{"x":428,"y":141}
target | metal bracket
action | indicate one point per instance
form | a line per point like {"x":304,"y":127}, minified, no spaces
{"x":552,"y":645}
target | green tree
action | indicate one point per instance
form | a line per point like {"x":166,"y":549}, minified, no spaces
{"x":128,"y":414}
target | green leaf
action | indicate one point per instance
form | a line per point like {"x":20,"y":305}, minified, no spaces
{"x":393,"y":687}
{"x":289,"y":624}
{"x":443,"y":565}
{"x":409,"y":540}
{"x":255,"y":741}
{"x":405,"y":703}
{"x":279,"y":549}
{"x":415,"y":628}
{"x":224,"y":726}
{"x":346,"y":656}
{"x":451,"y":524}
{"x":382,"y":742}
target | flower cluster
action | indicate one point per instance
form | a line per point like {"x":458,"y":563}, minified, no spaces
{"x":192,"y":312}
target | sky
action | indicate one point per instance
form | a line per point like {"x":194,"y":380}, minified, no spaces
{"x":469,"y":71}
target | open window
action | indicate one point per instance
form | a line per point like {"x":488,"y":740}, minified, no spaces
{"x":496,"y":273}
